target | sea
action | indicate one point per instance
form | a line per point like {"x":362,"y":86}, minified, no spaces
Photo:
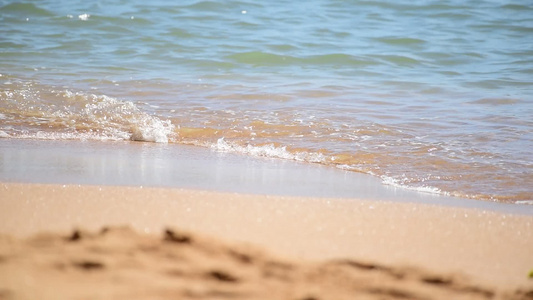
{"x":433,"y":96}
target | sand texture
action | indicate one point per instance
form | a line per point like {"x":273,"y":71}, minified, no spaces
{"x":237,"y":246}
{"x":118,"y":263}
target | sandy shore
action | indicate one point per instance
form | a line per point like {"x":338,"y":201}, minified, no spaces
{"x":229,"y":245}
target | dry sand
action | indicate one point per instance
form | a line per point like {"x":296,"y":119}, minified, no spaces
{"x":226,"y":245}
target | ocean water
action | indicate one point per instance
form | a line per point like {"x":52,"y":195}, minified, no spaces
{"x":435,"y":96}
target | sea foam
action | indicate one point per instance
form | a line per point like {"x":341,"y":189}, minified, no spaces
{"x":269,"y":150}
{"x":47,"y":114}
{"x":387,"y":180}
{"x":111,"y":114}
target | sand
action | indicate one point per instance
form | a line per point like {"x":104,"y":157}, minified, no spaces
{"x":169,"y":243}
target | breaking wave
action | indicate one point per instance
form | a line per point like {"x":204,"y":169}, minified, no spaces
{"x":30,"y":112}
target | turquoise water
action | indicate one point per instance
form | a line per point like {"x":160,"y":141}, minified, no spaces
{"x":430,"y":95}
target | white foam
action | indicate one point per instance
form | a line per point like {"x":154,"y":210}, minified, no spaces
{"x":75,"y":115}
{"x":84,"y":17}
{"x":118,"y":116}
{"x":151,"y":129}
{"x":423,"y":189}
{"x":83,"y":136}
{"x":269,"y":150}
{"x":526,"y":202}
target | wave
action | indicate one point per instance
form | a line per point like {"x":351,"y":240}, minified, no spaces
{"x":35,"y":110}
{"x":24,"y":10}
{"x":260,"y":58}
{"x":31,"y":112}
{"x":496,"y":101}
{"x":400,"y":41}
{"x":399,"y":60}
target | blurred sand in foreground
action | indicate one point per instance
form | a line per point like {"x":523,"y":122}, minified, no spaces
{"x":227,"y":245}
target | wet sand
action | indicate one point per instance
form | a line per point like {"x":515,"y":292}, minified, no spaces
{"x":180,"y":166}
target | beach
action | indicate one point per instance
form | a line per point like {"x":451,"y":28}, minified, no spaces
{"x":69,"y":242}
{"x":336,"y":247}
{"x":277,"y":150}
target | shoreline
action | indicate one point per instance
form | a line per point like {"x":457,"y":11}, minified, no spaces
{"x":125,"y":163}
{"x":492,"y":248}
{"x":326,"y":224}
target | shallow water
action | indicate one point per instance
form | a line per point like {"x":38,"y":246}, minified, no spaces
{"x":430,"y":95}
{"x":171,"y":165}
